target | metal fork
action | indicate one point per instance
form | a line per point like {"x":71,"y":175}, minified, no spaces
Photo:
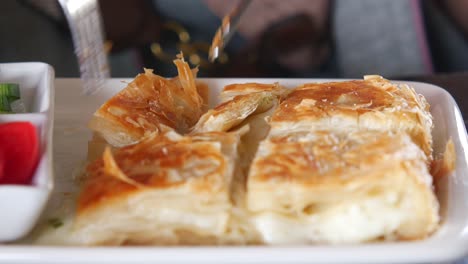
{"x":85,"y":23}
{"x":227,"y":29}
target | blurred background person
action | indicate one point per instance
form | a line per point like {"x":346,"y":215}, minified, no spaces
{"x":295,"y":38}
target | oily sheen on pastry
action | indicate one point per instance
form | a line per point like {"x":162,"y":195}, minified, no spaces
{"x":327,"y":187}
{"x":166,"y":189}
{"x":323,"y":163}
{"x":244,"y":104}
{"x":370,"y":104}
{"x":232,"y":90}
{"x":150,"y":103}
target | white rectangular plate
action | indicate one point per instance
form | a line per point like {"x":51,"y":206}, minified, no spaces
{"x":72,"y":112}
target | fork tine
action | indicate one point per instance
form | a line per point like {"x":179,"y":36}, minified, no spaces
{"x":85,"y":23}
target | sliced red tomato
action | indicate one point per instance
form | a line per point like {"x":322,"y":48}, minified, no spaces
{"x":19,"y":152}
{"x":2,"y":165}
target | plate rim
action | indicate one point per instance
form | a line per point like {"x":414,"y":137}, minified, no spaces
{"x":440,"y":250}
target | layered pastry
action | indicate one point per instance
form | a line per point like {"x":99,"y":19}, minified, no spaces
{"x":150,"y":103}
{"x":233,"y":112}
{"x":345,"y":162}
{"x":167,"y":189}
{"x":244,"y":104}
{"x":327,"y":187}
{"x":370,"y":104}
{"x":238,"y":102}
{"x":341,"y":162}
{"x":232,"y":90}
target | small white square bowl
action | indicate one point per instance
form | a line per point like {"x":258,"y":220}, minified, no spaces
{"x":21,"y":205}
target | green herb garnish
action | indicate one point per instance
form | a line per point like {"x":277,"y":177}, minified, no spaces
{"x":9,"y":92}
{"x":55,"y":222}
{"x":4,"y":105}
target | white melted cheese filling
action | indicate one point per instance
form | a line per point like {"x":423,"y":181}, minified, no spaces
{"x":353,"y":222}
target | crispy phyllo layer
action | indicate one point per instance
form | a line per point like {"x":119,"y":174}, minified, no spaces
{"x":370,"y":104}
{"x":166,"y":189}
{"x":323,"y":187}
{"x":149,"y":104}
{"x":339,"y":162}
{"x":232,"y":90}
{"x":233,"y":112}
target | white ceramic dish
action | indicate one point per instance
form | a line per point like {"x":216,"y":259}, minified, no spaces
{"x":21,"y":205}
{"x":73,"y":111}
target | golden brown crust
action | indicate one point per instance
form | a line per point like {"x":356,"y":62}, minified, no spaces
{"x":316,"y":100}
{"x":204,"y":92}
{"x":136,"y":109}
{"x":149,"y":104}
{"x":250,"y":87}
{"x":231,"y":113}
{"x":323,"y":175}
{"x":323,"y":157}
{"x":197,"y":161}
{"x":232,"y":90}
{"x":332,"y":146}
{"x":370,"y":104}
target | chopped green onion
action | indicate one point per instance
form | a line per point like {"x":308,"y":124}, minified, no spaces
{"x":9,"y":93}
{"x":4,"y":104}
{"x":10,"y":90}
{"x":55,"y":222}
